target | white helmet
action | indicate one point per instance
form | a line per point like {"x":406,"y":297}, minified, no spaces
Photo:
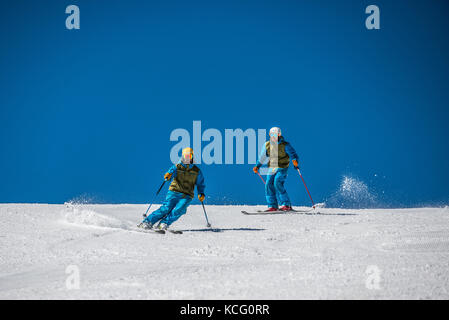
{"x":275,"y":131}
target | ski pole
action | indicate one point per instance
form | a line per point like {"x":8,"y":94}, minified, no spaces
{"x":313,"y":204}
{"x":261,"y":177}
{"x":154,"y":198}
{"x":205,"y":214}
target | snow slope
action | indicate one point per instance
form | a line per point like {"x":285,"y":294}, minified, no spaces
{"x":338,"y":254}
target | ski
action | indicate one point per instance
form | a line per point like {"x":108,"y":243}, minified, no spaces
{"x":160,"y":231}
{"x":175,"y":231}
{"x":261,"y":212}
{"x":149,"y":231}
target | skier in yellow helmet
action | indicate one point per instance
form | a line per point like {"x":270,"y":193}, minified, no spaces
{"x":186,"y":176}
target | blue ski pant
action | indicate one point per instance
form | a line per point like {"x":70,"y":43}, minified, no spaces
{"x":174,"y":206}
{"x":274,"y":188}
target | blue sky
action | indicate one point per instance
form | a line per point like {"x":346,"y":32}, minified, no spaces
{"x":89,"y":112}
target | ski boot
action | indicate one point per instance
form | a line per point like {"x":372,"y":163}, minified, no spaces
{"x":286,"y":208}
{"x":163,"y":226}
{"x":271,"y":209}
{"x":145,"y":225}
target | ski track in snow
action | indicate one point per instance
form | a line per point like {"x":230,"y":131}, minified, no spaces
{"x":294,"y":256}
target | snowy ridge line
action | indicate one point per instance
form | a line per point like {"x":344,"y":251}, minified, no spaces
{"x":11,"y":205}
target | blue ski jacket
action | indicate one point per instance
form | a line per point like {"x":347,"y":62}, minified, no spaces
{"x":288,"y":149}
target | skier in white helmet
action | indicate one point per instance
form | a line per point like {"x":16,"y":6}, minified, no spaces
{"x":279,"y":152}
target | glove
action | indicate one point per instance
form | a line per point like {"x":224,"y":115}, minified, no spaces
{"x":295,"y":163}
{"x":256,"y":169}
{"x":201,"y":197}
{"x":167,"y":176}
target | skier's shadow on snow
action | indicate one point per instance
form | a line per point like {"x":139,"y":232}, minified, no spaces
{"x":222,"y":230}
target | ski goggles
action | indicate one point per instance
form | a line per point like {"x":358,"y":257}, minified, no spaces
{"x":187,"y":156}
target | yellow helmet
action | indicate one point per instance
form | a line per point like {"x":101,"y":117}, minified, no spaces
{"x":187,"y":155}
